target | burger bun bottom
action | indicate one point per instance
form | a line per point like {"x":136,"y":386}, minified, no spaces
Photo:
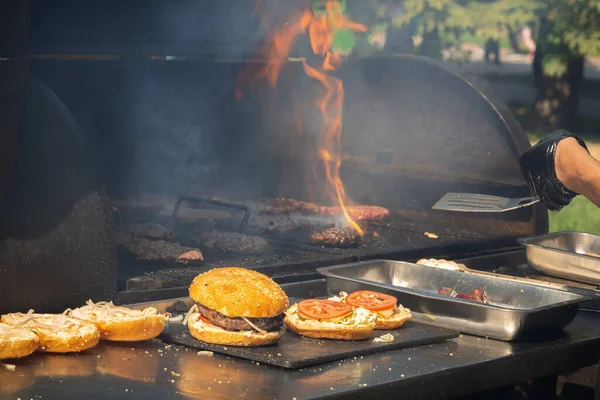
{"x":396,"y":320}
{"x":327,"y":330}
{"x":213,"y":334}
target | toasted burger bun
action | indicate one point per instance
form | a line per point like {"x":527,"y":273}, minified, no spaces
{"x":327,"y":330}
{"x":239,"y":292}
{"x":57,"y":333}
{"x":17,"y":342}
{"x":118,"y":323}
{"x":396,"y":320}
{"x":213,"y":334}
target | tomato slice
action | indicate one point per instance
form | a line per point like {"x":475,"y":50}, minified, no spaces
{"x":201,"y":318}
{"x":372,"y":301}
{"x":323,"y":309}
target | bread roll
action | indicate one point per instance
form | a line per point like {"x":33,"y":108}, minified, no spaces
{"x":327,"y":330}
{"x":118,"y":323}
{"x":17,"y":342}
{"x":239,"y":292}
{"x":213,"y":334}
{"x":396,"y":320}
{"x":57,"y":333}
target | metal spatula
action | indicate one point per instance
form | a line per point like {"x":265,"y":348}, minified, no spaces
{"x":468,"y":202}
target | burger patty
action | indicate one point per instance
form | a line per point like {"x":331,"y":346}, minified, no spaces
{"x":276,"y":206}
{"x":336,"y":237}
{"x":237,"y":323}
{"x":360,"y":213}
{"x":231,"y":242}
{"x":285,"y":205}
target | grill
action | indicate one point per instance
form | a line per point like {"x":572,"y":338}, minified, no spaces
{"x":147,"y":130}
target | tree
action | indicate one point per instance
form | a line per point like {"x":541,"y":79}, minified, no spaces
{"x":445,"y":24}
{"x":568,"y":32}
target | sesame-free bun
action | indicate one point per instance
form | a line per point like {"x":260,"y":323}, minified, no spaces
{"x":17,"y":342}
{"x":119,"y":323}
{"x":326,"y":330}
{"x":213,"y":334}
{"x":396,"y":320}
{"x":57,"y":333}
{"x":239,"y":292}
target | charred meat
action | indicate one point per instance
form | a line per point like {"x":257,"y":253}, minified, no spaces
{"x":231,"y":242}
{"x":447,"y":292}
{"x":360,"y":213}
{"x":336,"y":237}
{"x":477,"y":295}
{"x":275,"y":206}
{"x":284,"y":206}
{"x":161,"y":251}
{"x":237,"y":323}
{"x":148,"y":231}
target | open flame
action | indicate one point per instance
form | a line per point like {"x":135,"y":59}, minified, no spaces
{"x":321,"y":31}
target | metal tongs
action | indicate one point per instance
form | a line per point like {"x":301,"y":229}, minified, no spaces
{"x":470,"y":202}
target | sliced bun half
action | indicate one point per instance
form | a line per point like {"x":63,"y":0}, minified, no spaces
{"x":118,"y":323}
{"x":57,"y":333}
{"x":326,"y":330}
{"x":17,"y":342}
{"x":213,"y":334}
{"x":239,"y":292}
{"x":396,"y":320}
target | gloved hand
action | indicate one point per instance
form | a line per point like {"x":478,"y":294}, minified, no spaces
{"x":537,"y":166}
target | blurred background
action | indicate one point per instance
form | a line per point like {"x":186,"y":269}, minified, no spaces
{"x":542,"y":58}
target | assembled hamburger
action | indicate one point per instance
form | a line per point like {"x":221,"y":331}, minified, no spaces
{"x":236,"y":307}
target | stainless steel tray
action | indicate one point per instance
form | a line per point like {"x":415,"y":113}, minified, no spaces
{"x":515,"y":310}
{"x":570,"y":255}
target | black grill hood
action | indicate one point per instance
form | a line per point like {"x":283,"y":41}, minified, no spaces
{"x":157,"y":117}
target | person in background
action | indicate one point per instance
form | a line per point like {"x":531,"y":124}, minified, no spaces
{"x":492,"y":46}
{"x":560,"y":167}
{"x":527,"y":40}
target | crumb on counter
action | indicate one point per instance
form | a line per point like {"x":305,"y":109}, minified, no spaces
{"x":431,"y":235}
{"x":9,"y":367}
{"x":387,"y":338}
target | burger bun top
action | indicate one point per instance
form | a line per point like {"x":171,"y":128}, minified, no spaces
{"x":239,"y":292}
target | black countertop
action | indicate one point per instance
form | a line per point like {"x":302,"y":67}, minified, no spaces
{"x":154,"y":370}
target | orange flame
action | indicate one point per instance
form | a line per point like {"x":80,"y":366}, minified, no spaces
{"x":321,"y":31}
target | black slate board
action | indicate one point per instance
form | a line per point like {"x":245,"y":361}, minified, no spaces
{"x":294,"y":351}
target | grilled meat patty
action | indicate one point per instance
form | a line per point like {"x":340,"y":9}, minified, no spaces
{"x":231,"y":242}
{"x":360,"y":213}
{"x":283,"y":206}
{"x":237,"y":323}
{"x":274,"y":206}
{"x":150,"y":231}
{"x":336,"y":237}
{"x":161,"y":251}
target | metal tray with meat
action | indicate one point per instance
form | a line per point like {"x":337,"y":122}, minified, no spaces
{"x":488,"y":307}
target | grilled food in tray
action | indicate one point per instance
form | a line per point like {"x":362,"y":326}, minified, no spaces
{"x":119,"y":323}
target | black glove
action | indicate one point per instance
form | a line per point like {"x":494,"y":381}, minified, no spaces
{"x":537,"y":166}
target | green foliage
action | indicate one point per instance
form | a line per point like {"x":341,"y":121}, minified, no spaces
{"x":568,"y":29}
{"x":457,"y":20}
{"x":580,"y":216}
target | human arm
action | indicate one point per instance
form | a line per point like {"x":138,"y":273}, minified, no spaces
{"x":559,"y":167}
{"x":578,"y":170}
